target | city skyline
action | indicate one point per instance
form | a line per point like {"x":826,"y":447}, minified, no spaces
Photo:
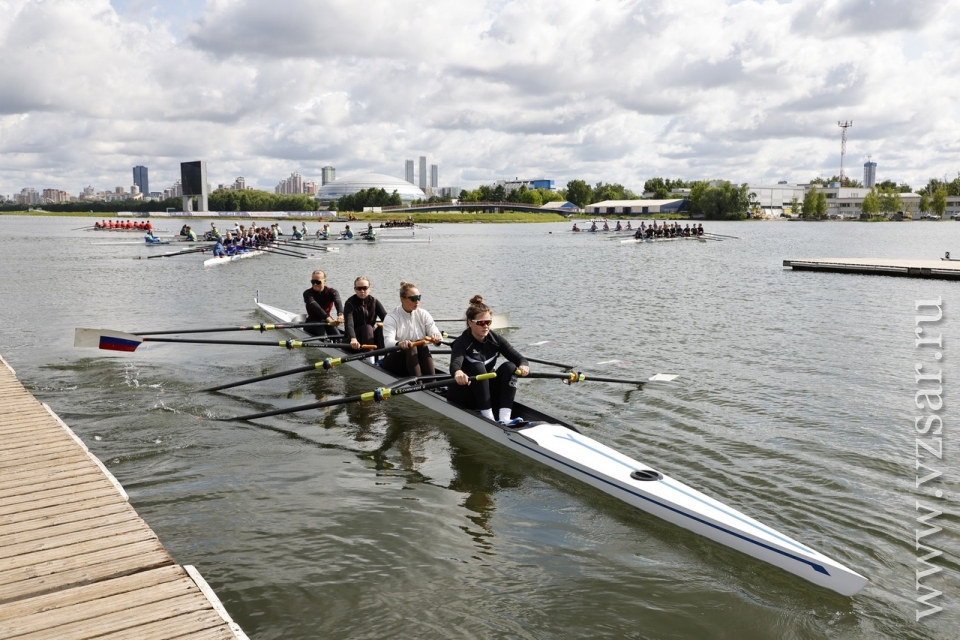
{"x":748,"y":91}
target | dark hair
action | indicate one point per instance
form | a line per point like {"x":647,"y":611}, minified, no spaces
{"x":477,"y":307}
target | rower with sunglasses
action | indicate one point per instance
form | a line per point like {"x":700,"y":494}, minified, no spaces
{"x":320,"y":301}
{"x":474,"y":352}
{"x":361,"y":312}
{"x":405,"y":325}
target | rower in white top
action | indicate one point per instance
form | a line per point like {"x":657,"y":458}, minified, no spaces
{"x":405,"y":326}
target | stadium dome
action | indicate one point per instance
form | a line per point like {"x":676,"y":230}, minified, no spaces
{"x":349,"y":185}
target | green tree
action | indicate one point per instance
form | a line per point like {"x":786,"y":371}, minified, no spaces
{"x":794,"y":206}
{"x":871,"y":204}
{"x":938,"y":203}
{"x":822,"y":205}
{"x":579,"y":193}
{"x":890,"y":200}
{"x":721,"y":202}
{"x":810,"y":199}
{"x":499,"y":193}
{"x":924,"y":205}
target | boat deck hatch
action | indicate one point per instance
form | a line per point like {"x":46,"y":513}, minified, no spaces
{"x":646,"y":475}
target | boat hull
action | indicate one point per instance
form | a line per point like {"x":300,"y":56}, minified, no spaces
{"x":210,"y":262}
{"x":561,"y":446}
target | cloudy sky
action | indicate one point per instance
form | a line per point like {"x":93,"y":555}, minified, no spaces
{"x":612,"y":90}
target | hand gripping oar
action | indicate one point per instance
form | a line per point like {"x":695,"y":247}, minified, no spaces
{"x":121,"y":341}
{"x":379,"y":395}
{"x":576,"y":376}
{"x":327,"y":363}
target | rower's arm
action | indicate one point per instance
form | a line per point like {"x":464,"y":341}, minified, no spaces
{"x":390,"y":331}
{"x":511,"y":354}
{"x":457,"y":353}
{"x":381,"y":312}
{"x":348,"y":328}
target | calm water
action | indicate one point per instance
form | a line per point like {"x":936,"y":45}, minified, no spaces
{"x":795,"y":405}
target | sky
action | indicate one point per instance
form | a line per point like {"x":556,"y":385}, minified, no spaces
{"x":599,"y":90}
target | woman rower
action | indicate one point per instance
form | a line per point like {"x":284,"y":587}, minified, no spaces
{"x":404,"y":325}
{"x":361,"y":312}
{"x":321,"y":301}
{"x":474,"y":352}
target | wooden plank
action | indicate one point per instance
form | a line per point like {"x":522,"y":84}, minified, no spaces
{"x":21,"y":583}
{"x":28,"y":451}
{"x":45,"y":437}
{"x":40,"y":454}
{"x":81,"y":515}
{"x":72,"y":457}
{"x":30,"y":510}
{"x":47,"y":537}
{"x":191,"y":626}
{"x":76,"y":546}
{"x":64,"y":492}
{"x":88,"y":474}
{"x":19,"y":418}
{"x":91,"y":592}
{"x":127,"y":619}
{"x":27,"y":480}
{"x":88,"y":610}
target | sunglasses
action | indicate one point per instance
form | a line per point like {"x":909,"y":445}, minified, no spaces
{"x":482,"y":323}
{"x":415,"y":298}
{"x":360,"y":288}
{"x":316,"y":282}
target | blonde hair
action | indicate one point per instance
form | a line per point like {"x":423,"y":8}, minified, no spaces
{"x":322,"y":273}
{"x":364,"y":278}
{"x":477,"y":307}
{"x":405,"y":288}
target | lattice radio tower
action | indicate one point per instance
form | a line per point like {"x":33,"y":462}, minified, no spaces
{"x":843,"y":144}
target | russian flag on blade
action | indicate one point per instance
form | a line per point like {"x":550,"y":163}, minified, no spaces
{"x":106,"y":339}
{"x":111,"y":343}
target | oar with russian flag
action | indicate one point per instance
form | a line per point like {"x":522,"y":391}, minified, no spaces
{"x":110,"y":340}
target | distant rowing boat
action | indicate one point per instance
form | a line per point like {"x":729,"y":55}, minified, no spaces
{"x":129,"y":230}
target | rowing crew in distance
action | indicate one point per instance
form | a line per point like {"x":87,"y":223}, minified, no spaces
{"x":122,"y":225}
{"x":667,"y":231}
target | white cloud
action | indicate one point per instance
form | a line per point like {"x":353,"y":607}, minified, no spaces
{"x":615,"y":90}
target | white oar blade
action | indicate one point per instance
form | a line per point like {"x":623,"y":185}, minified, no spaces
{"x":500,"y":321}
{"x":106,"y":339}
{"x":663,"y":377}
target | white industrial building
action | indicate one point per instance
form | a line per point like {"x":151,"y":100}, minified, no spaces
{"x":635,"y":207}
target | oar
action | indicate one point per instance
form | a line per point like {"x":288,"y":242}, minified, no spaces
{"x":180,"y":253}
{"x":576,"y":376}
{"x":89,"y":226}
{"x":281,"y":252}
{"x":326,"y":363}
{"x":559,"y":365}
{"x":257,"y":327}
{"x":121,"y":341}
{"x":708,"y":233}
{"x":500,"y":320}
{"x":379,"y":395}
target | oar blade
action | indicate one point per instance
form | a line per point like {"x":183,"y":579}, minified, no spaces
{"x":106,"y":339}
{"x":663,"y":377}
{"x":500,"y":321}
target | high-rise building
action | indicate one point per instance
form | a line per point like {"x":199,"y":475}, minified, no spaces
{"x":293,"y":184}
{"x":423,"y":172}
{"x":409,"y":171}
{"x":434,"y":176}
{"x":869,"y":174}
{"x":239,"y":184}
{"x":327,"y":175}
{"x":140,"y":179}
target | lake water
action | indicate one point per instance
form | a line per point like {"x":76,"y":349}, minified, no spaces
{"x":795,"y":404}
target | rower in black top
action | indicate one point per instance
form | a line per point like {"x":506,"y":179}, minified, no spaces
{"x":474,"y":352}
{"x":361,"y":312}
{"x":320,"y":301}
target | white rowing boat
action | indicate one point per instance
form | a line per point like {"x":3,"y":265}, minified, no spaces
{"x":209,"y":262}
{"x":561,"y":446}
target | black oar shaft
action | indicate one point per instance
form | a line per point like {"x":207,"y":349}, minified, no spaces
{"x":327,"y":363}
{"x":289,"y":344}
{"x":552,"y":364}
{"x":378,"y":395}
{"x":256,"y":327}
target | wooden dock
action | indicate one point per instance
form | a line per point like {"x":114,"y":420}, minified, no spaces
{"x":76,"y":561}
{"x":938,"y":269}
